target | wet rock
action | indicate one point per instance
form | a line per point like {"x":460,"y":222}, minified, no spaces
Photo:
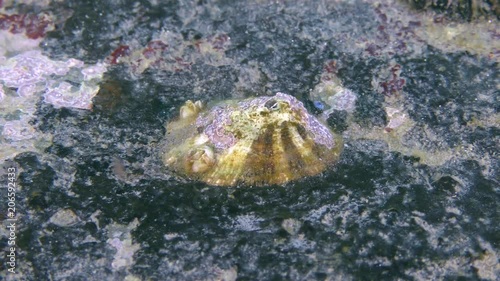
{"x":64,"y":218}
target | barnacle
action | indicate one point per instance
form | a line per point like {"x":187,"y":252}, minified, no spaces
{"x":257,"y":141}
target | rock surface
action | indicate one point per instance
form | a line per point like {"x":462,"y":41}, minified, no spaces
{"x":414,"y":195}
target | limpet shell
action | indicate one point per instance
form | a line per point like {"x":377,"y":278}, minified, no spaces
{"x":258,"y":141}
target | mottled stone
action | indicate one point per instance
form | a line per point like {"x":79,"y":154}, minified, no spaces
{"x":64,"y":218}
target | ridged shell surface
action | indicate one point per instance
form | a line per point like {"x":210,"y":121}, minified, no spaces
{"x":258,"y":141}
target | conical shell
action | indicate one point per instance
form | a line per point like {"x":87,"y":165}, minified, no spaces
{"x":259,"y":141}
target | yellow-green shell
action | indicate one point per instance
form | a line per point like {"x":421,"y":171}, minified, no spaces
{"x":258,"y":141}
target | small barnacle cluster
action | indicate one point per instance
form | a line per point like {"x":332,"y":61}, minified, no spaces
{"x":330,"y":95}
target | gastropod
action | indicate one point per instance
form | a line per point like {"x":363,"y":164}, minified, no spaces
{"x":258,"y":141}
